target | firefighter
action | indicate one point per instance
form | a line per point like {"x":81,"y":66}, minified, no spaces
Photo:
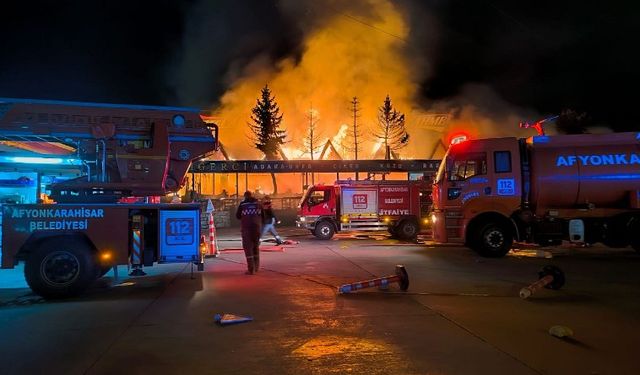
{"x":270,"y":220}
{"x":250,"y":215}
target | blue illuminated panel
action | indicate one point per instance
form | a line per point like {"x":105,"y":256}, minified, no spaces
{"x":179,"y":235}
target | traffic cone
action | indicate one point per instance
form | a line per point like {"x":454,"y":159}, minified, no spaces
{"x":213,"y":242}
{"x":224,"y":319}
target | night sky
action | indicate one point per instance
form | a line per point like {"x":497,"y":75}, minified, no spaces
{"x":546,"y":55}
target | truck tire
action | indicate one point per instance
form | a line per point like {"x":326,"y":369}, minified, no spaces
{"x":616,"y":234}
{"x":408,"y":230}
{"x":60,"y":268}
{"x":635,"y":235}
{"x":493,"y":240}
{"x":324,"y":230}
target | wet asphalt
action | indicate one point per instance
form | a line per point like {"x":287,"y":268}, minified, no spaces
{"x":460,"y":315}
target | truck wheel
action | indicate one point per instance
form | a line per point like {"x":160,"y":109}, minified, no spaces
{"x":616,"y":234}
{"x":324,"y":230}
{"x":635,"y":235}
{"x":494,"y":240}
{"x":408,"y":230}
{"x":60,"y":267}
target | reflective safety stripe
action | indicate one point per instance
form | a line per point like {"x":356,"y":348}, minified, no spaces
{"x":251,"y":211}
{"x":135,"y":256}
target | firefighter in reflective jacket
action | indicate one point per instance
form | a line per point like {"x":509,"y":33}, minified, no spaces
{"x":250,"y":215}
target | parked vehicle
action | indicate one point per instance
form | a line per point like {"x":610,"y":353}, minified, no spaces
{"x":129,"y":155}
{"x":400,"y":207}
{"x":543,"y":189}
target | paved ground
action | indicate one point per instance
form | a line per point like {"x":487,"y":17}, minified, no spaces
{"x":461,"y":315}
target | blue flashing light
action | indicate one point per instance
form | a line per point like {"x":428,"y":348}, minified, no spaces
{"x":178,"y":121}
{"x":541,"y":139}
{"x":40,"y":160}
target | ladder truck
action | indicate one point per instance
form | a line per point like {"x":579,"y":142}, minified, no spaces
{"x":129,"y":155}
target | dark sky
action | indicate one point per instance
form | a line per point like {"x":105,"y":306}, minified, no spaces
{"x":544,"y":55}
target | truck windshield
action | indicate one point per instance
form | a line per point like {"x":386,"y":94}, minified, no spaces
{"x":313,"y":197}
{"x":467,"y":165}
{"x":305,"y":196}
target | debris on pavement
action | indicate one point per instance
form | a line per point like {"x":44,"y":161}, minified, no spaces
{"x":550,"y":277}
{"x":401,"y":277}
{"x":560,"y":331}
{"x":226,"y":319}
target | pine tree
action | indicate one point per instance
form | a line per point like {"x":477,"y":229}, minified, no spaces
{"x":391,"y":128}
{"x":265,"y":128}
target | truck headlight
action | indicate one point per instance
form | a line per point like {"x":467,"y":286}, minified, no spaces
{"x":302,"y":218}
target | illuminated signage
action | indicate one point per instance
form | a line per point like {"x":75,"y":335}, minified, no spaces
{"x":317,"y":166}
{"x":58,"y":218}
{"x":595,"y":160}
{"x":506,"y":186}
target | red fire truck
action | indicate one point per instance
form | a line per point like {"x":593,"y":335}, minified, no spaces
{"x":126,"y":154}
{"x":401,"y":207}
{"x":543,"y":190}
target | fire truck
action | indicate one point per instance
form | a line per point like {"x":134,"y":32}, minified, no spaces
{"x":543,"y":190}
{"x":128,"y":157}
{"x":400,"y":207}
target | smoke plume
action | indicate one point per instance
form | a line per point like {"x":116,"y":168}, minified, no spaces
{"x":332,"y":51}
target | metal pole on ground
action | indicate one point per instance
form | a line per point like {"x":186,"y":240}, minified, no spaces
{"x":401,"y":277}
{"x":237,"y":188}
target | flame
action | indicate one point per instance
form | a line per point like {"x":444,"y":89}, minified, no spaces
{"x":376,"y":147}
{"x":293,"y":153}
{"x":348,"y":55}
{"x":339,"y":139}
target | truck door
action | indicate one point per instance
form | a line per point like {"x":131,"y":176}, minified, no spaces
{"x":467,"y":178}
{"x":320,"y":202}
{"x":492,"y":175}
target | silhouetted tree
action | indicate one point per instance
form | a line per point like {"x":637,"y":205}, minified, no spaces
{"x":312,"y":139}
{"x":391,"y":128}
{"x":572,"y":122}
{"x":353,"y":140}
{"x":265,"y":128}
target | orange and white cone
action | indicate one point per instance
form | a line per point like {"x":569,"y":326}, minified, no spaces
{"x":213,"y":242}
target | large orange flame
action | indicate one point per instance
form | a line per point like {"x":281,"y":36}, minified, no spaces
{"x":349,"y":55}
